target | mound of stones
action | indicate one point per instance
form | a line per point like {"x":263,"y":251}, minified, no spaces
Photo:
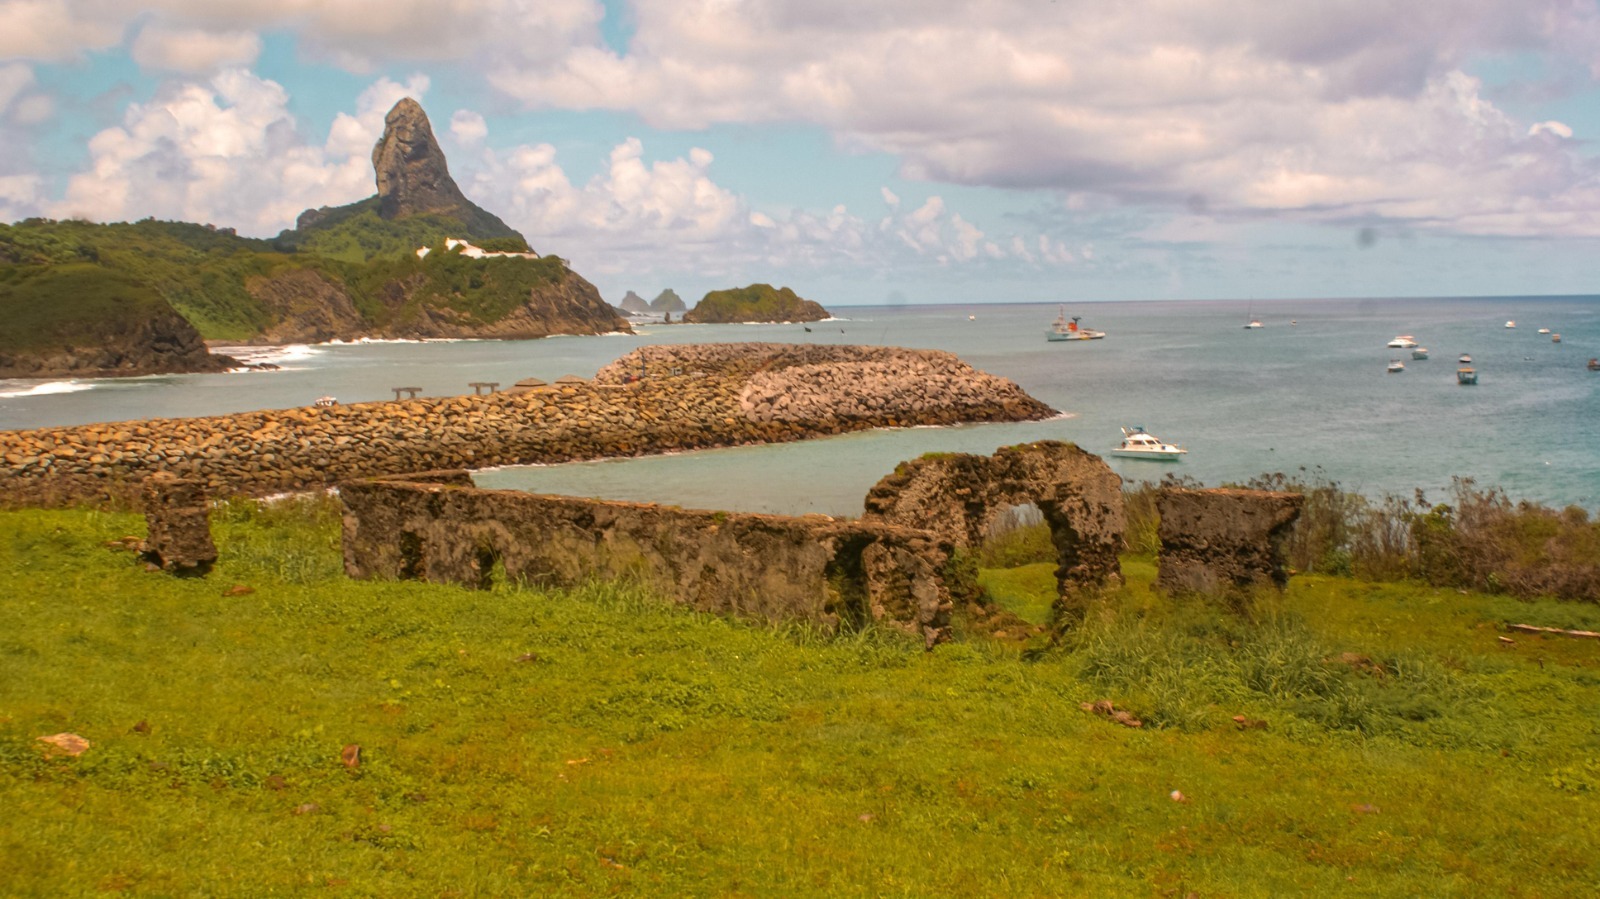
{"x":654,"y":400}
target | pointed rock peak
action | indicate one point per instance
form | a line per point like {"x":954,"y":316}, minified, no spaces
{"x":633,"y":303}
{"x":412,"y":175}
{"x":413,"y":178}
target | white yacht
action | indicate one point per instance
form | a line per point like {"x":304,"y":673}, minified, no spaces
{"x":1403,"y":342}
{"x":1396,"y":366}
{"x":1138,"y":444}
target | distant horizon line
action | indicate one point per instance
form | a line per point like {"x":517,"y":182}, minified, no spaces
{"x":1269,"y":300}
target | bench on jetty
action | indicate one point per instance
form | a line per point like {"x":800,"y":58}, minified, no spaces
{"x":410,"y":392}
{"x":479,"y":387}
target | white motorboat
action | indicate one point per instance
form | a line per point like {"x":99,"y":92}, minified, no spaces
{"x":1544,"y":330}
{"x":1139,"y":444}
{"x":1466,"y":359}
{"x":1062,"y":329}
{"x":1403,"y":342}
{"x":1396,"y":367}
{"x":1511,"y":324}
{"x":1420,"y":352}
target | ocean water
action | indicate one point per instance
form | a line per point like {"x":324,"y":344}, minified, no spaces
{"x":1305,"y":394}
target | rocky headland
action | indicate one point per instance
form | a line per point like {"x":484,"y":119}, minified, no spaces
{"x":653,"y":400}
{"x":343,"y":273}
{"x":78,"y":321}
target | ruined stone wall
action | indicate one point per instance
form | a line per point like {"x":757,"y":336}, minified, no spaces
{"x":687,"y":398}
{"x":1224,"y":541}
{"x":959,"y":496}
{"x":757,"y":566}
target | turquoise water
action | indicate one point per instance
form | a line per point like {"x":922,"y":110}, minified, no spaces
{"x":1311,"y":395}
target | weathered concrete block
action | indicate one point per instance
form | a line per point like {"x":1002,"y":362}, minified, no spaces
{"x":178,"y":521}
{"x":1224,"y":541}
{"x":958,"y":496}
{"x":769,"y":567}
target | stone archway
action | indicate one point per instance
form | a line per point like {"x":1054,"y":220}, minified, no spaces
{"x":958,"y":496}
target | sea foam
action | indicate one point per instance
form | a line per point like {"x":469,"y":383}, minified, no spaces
{"x":10,"y":391}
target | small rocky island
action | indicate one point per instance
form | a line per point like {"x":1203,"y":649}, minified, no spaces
{"x":756,"y":303}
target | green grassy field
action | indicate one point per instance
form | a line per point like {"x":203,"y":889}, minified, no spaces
{"x":599,"y":741}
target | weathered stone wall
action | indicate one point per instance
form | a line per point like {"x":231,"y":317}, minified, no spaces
{"x":1223,"y":541}
{"x":758,"y":566}
{"x":959,"y":496}
{"x":687,"y":398}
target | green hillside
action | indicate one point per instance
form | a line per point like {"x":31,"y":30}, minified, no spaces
{"x":75,"y":303}
{"x":205,"y":274}
{"x":356,"y":233}
{"x":1388,"y":741}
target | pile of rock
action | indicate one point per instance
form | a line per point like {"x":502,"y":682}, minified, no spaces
{"x":687,"y":398}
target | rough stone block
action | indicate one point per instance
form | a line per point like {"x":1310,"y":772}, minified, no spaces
{"x":1224,"y":541}
{"x":179,"y":525}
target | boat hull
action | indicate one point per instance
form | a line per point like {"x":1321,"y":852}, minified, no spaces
{"x":1152,"y":455}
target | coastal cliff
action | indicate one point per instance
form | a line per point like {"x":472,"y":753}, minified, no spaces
{"x":79,"y":321}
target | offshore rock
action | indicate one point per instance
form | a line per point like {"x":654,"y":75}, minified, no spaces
{"x":756,"y":303}
{"x":413,"y":178}
{"x":668,"y":301}
{"x":633,"y":303}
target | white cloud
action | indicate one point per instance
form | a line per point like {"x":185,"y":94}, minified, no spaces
{"x":52,"y":30}
{"x":1559,"y":129}
{"x":14,"y":80}
{"x":19,"y":196}
{"x":358,"y":34}
{"x":193,"y":51}
{"x":227,"y":152}
{"x":468,"y":127}
{"x":1325,"y":111}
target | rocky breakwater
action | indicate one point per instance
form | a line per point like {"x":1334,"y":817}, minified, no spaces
{"x":656,"y":399}
{"x":840,"y":388}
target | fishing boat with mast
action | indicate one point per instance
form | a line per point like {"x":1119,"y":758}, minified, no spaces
{"x":1064,"y":329}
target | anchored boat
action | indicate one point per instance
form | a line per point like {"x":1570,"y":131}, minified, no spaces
{"x":1062,"y":329}
{"x":1137,"y":443}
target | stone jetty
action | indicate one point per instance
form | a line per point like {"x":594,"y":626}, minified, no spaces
{"x":653,"y":400}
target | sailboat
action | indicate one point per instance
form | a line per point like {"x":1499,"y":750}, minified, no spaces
{"x":1254,"y":322}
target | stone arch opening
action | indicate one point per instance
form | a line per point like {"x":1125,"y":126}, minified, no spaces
{"x":412,"y":567}
{"x":487,"y":564}
{"x":961,"y":496}
{"x":849,"y":598}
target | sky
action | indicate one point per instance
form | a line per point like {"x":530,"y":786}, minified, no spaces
{"x":861,"y":152}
